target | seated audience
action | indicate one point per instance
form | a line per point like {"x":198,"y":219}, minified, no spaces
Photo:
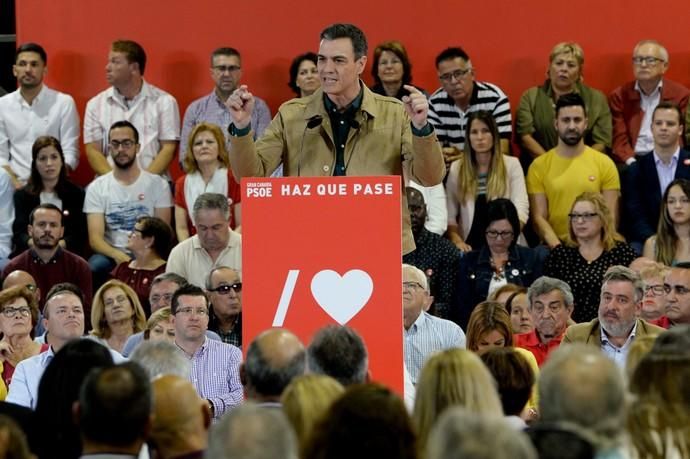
{"x":224,"y":288}
{"x":114,"y":411}
{"x":581,"y":388}
{"x":654,"y":301}
{"x":633,"y":103}
{"x":497,"y":262}
{"x":46,"y":259}
{"x":391,"y":70}
{"x":677,"y":288}
{"x":215,"y":369}
{"x":639,"y":348}
{"x":454,"y":377}
{"x":464,"y":435}
{"x":518,"y":308}
{"x":423,"y":333}
{"x":149,"y":243}
{"x":215,"y":243}
{"x":274,"y":358}
{"x":48,"y":184}
{"x":161,"y":358}
{"x":306,"y":400}
{"x":207,"y":171}
{"x":433,"y":254}
{"x":480,"y":175}
{"x":250,"y":431}
{"x":550,"y":305}
{"x":436,"y":206}
{"x":304,"y":76}
{"x":670,"y":243}
{"x":180,"y":419}
{"x":617,"y":324}
{"x":24,"y":279}
{"x":646,"y":180}
{"x":592,"y":246}
{"x":566,"y":171}
{"x":6,"y":217}
{"x":116,"y":314}
{"x":160,"y":326}
{"x":14,"y":444}
{"x":367,"y":422}
{"x":536,"y":113}
{"x":18,"y":316}
{"x":57,"y":434}
{"x":339,"y":352}
{"x":515,"y":380}
{"x":501,"y":294}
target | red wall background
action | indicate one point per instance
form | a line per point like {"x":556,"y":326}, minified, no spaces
{"x":508,"y":41}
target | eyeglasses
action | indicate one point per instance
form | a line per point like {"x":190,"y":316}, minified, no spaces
{"x":492,"y":234}
{"x":649,"y":60}
{"x":126,"y":144}
{"x":657,"y":290}
{"x":226,"y":68}
{"x":188,"y":311}
{"x":121,"y":299}
{"x":584,"y":217}
{"x":225,"y":288}
{"x":11,"y":312}
{"x":679,"y":289}
{"x":156,"y":298}
{"x":414,"y":286}
{"x":457,"y":74}
{"x":135,"y":231}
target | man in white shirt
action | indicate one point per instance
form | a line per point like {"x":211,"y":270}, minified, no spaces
{"x":6,"y":217}
{"x":153,"y":111}
{"x":34,"y":110}
{"x":116,"y":200}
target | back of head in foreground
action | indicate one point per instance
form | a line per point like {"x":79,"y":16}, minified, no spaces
{"x":339,"y":352}
{"x":249,"y":431}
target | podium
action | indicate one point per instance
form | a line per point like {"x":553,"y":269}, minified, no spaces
{"x":326,"y":250}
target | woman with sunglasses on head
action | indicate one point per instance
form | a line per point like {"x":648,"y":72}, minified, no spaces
{"x":592,"y":246}
{"x":499,"y":262}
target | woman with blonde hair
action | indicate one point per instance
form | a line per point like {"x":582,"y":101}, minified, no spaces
{"x":207,"y":170}
{"x":592,"y":246}
{"x":160,"y":326}
{"x":116,"y":314}
{"x":452,"y":377}
{"x":306,"y":399}
{"x":654,"y":300}
{"x":482,"y":173}
{"x":671,"y":243}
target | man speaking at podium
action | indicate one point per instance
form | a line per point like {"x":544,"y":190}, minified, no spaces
{"x":341,"y":129}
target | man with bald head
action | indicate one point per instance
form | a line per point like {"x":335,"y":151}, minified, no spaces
{"x":274,"y":358}
{"x":181,"y":419}
{"x":224,"y":287}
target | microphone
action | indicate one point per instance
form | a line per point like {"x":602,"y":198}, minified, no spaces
{"x":313,"y":122}
{"x":354,"y":124}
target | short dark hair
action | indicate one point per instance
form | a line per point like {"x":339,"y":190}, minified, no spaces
{"x":266,"y":378}
{"x":45,"y":206}
{"x":188,"y":290}
{"x":133,"y":51}
{"x":572,"y":99}
{"x":225,"y":51}
{"x":124,"y":124}
{"x":504,"y":209}
{"x":32,"y":48}
{"x":351,"y":31}
{"x":513,"y":376}
{"x":294,"y":69}
{"x":58,"y":289}
{"x":669,"y":105}
{"x":339,"y":352}
{"x":452,"y":53}
{"x":115,"y":404}
{"x":160,"y":231}
{"x":171,"y":277}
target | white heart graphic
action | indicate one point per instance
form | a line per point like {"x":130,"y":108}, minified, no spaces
{"x":342,"y":297}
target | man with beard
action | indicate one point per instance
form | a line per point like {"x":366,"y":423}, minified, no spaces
{"x":435,"y":255}
{"x":617,"y":327}
{"x":557,"y":177}
{"x":47,"y":261}
{"x":550,"y":305}
{"x":116,"y":200}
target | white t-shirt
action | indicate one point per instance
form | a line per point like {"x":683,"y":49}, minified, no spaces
{"x":122,"y":205}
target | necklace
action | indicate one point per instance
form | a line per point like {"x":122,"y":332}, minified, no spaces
{"x":499,"y":271}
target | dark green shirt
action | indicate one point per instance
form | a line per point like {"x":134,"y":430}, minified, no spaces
{"x":341,"y":122}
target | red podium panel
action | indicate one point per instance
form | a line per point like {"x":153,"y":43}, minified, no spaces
{"x":317,"y":251}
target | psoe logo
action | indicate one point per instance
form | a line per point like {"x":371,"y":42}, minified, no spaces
{"x":259,"y":190}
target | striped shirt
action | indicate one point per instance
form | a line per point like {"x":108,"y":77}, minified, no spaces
{"x":450,"y":121}
{"x":216,"y":375}
{"x":427,"y":335}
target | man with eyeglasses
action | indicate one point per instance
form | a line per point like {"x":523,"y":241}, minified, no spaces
{"x":423,"y":333}
{"x":632,"y":104}
{"x":224,"y":287}
{"x":115,"y":201}
{"x":560,"y":175}
{"x":550,"y":303}
{"x":153,"y":111}
{"x":215,"y":365}
{"x":226,"y":73}
{"x":618,"y":324}
{"x":458,"y":96}
{"x":677,"y":288}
